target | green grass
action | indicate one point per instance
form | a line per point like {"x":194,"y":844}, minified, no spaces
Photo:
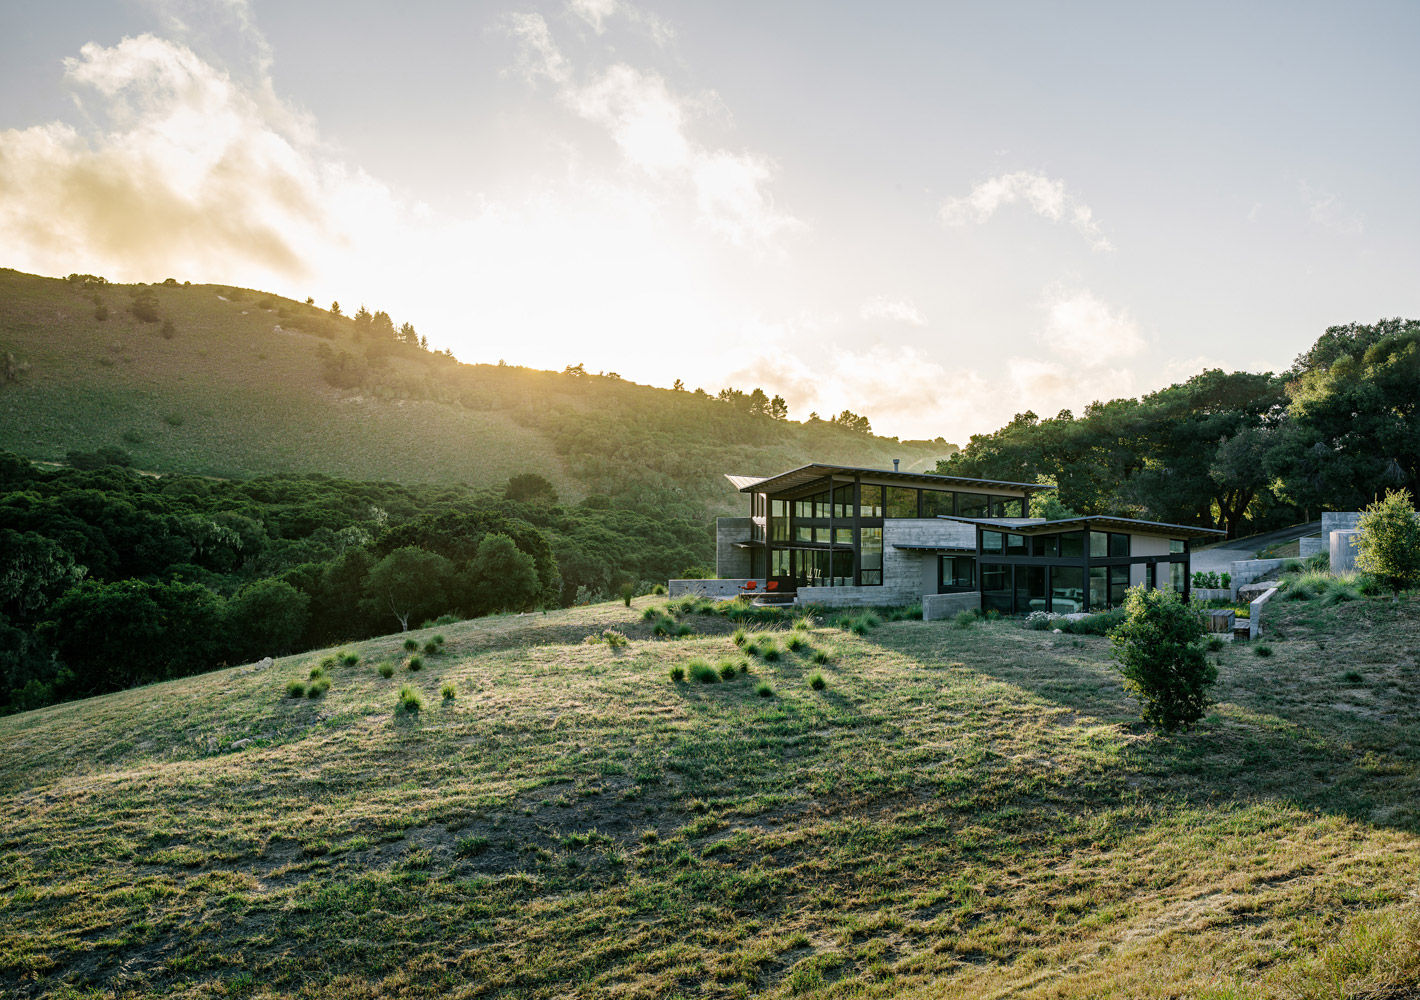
{"x":963,"y":813}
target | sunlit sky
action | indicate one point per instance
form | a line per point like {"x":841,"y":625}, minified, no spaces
{"x":935,"y":214}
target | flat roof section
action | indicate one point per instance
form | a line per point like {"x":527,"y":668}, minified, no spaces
{"x":1040,"y":526}
{"x":806,"y":474}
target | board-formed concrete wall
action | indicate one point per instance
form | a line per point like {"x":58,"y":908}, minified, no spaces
{"x":731,"y":563}
{"x":1247,"y":570}
{"x":935,"y":607}
{"x":708,"y":588}
{"x":1343,"y":550}
{"x":1339,"y":520}
{"x":1312,"y":545}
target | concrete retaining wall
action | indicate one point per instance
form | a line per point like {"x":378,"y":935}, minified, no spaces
{"x":1343,"y":550}
{"x":1312,"y":545}
{"x":1339,"y":520}
{"x":1211,"y":594}
{"x":938,"y":606}
{"x":1247,"y":570}
{"x":1254,"y":612}
{"x":852,"y":597}
{"x":708,"y":588}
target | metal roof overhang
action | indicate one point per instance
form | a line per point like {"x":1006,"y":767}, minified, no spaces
{"x":805,"y":475}
{"x":1041,"y":527}
{"x":935,"y":548}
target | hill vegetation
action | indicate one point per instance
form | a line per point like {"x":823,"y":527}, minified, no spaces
{"x":229,"y":382}
{"x":918,"y":810}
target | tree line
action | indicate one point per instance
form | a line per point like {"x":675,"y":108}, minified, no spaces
{"x":109,"y":578}
{"x":1239,"y":451}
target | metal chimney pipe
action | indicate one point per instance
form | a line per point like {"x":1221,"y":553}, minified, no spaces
{"x":894,"y":464}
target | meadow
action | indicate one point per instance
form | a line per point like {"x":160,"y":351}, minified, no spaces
{"x":950,"y":810}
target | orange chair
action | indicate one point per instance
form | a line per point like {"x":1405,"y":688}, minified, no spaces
{"x":749,"y":585}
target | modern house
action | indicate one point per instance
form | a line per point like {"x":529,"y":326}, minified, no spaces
{"x":842,"y":536}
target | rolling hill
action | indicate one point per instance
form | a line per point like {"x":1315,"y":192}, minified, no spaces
{"x":231,"y":382}
{"x":963,"y":812}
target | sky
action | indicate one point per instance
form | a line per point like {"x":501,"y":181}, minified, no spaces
{"x":938,"y":215}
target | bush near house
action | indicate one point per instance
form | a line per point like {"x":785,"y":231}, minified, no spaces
{"x":1389,"y":544}
{"x":1159,"y":648}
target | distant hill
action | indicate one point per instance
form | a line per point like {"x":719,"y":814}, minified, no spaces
{"x":225,"y":381}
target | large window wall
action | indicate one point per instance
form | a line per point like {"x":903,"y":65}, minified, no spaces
{"x":832,"y":534}
{"x":1073,"y":570}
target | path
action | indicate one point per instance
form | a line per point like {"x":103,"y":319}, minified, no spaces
{"x":1219,"y":559}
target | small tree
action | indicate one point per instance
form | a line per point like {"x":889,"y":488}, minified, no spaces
{"x":500,"y":576}
{"x":409,"y":583}
{"x":1389,"y":544}
{"x":1159,"y":647}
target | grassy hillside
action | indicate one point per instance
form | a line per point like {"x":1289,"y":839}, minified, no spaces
{"x":957,"y":812}
{"x":240,"y":388}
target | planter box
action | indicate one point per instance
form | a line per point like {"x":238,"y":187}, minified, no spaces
{"x":1222,"y":620}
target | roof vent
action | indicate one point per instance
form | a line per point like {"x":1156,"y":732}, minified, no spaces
{"x":894,"y":464}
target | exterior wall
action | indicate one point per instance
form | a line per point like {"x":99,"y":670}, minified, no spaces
{"x":1247,"y":570}
{"x":1148,"y":545}
{"x":1339,"y":521}
{"x":908,"y":574}
{"x":850,"y":597}
{"x":1343,"y":550}
{"x":708,"y":588}
{"x":731,"y":563}
{"x":938,"y":606}
{"x":1312,"y":546}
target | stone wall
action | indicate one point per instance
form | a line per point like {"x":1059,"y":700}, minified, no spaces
{"x":731,"y":562}
{"x":935,"y":607}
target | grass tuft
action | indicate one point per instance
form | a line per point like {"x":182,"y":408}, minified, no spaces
{"x":816,"y":681}
{"x":386,"y":669}
{"x":409,"y":699}
{"x":702,"y":673}
{"x":448,"y":692}
{"x":764,"y":690}
{"x":295,"y":689}
{"x":677,"y":673}
{"x":416,"y":663}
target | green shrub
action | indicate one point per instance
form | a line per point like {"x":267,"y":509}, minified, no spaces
{"x":702,"y":672}
{"x":431,"y":648}
{"x":659,"y":590}
{"x":1352,"y":677}
{"x":448,"y":692}
{"x":317,"y":671}
{"x":438,"y":639}
{"x":1388,"y":546}
{"x":468,"y":847}
{"x":415,"y":663}
{"x":804,"y":623}
{"x":386,"y":669}
{"x":816,"y":681}
{"x":964,"y":619}
{"x":751,"y":648}
{"x":912,"y":612}
{"x":1099,"y":623}
{"x":318,"y":687}
{"x":681,"y":630}
{"x":770,"y":653}
{"x":626,"y":592}
{"x":1262,"y":649}
{"x":764,"y":690}
{"x":329,"y":662}
{"x":1160,"y":652}
{"x":677,"y":673}
{"x":409,"y":699}
{"x":1214,"y":643}
{"x":295,"y":689}
{"x":650,"y":613}
{"x":410,"y":645}
{"x":796,"y":642}
{"x":663,"y":627}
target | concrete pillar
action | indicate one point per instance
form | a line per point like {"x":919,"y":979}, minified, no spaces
{"x":1343,"y":550}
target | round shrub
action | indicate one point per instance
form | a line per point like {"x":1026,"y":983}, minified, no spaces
{"x":448,"y":692}
{"x":295,"y":689}
{"x":677,"y":673}
{"x":410,"y":645}
{"x":1159,"y":646}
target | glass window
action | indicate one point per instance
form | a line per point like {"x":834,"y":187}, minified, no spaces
{"x":973,"y":505}
{"x":804,"y":508}
{"x":956,"y":573}
{"x":822,"y":535}
{"x":937,"y":502}
{"x":1099,"y":588}
{"x":779,"y":529}
{"x":1118,"y":544}
{"x":842,"y":567}
{"x":1099,"y":544}
{"x":779,"y":508}
{"x":1118,"y":584}
{"x":1175,"y":546}
{"x":1016,"y":546}
{"x":1030,"y":589}
{"x":821,"y":504}
{"x":871,"y":554}
{"x":1072,"y":546}
{"x":1067,"y":594}
{"x":1176,"y":577}
{"x":1047,"y":546}
{"x":803,"y":533}
{"x":843,"y":536}
{"x":901,"y":502}
{"x":1013,"y":507}
{"x":993,"y":541}
{"x":872,"y":497}
{"x":843,"y":502}
{"x":996,"y":587}
{"x":779,"y":562}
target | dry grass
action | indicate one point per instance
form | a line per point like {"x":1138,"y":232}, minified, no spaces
{"x":958,"y":813}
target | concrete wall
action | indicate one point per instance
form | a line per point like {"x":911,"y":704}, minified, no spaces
{"x":731,"y":562}
{"x":708,"y":588}
{"x":938,"y":606}
{"x":1343,"y":550}
{"x":1339,"y":520}
{"x":851,"y":597}
{"x":1248,"y":570}
{"x":1211,"y":594}
{"x":1313,"y":545}
{"x":1254,"y":612}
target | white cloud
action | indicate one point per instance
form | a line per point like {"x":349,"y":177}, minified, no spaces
{"x":895,"y":310}
{"x":597,"y":13}
{"x":1328,"y":211}
{"x":1081,"y":326}
{"x":1042,"y":195}
{"x":649,"y":125}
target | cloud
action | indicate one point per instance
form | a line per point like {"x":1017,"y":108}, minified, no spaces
{"x":1081,"y":326}
{"x":894,"y":310}
{"x":597,"y":13}
{"x":650,"y":126}
{"x":1329,"y":212}
{"x":191,"y":168}
{"x":1042,"y":195}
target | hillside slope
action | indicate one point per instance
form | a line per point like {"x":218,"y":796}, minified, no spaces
{"x":243,"y":383}
{"x":957,"y":812}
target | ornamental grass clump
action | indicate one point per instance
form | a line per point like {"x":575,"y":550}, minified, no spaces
{"x":677,"y":673}
{"x":416,"y":663}
{"x":739,"y":637}
{"x":448,"y":692}
{"x":819,"y":656}
{"x":410,"y":645}
{"x":729,"y":670}
{"x":295,"y":689}
{"x":386,"y":669}
{"x":318,"y":687}
{"x":1159,"y":647}
{"x":702,"y":673}
{"x":349,"y":658}
{"x":409,"y":699}
{"x":816,"y":681}
{"x":764,"y":690}
{"x":797,"y":642}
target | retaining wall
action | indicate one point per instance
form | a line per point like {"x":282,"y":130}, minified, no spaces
{"x":722,"y":589}
{"x":1312,"y":545}
{"x":938,"y":606}
{"x":1343,"y":550}
{"x":1245,"y":571}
